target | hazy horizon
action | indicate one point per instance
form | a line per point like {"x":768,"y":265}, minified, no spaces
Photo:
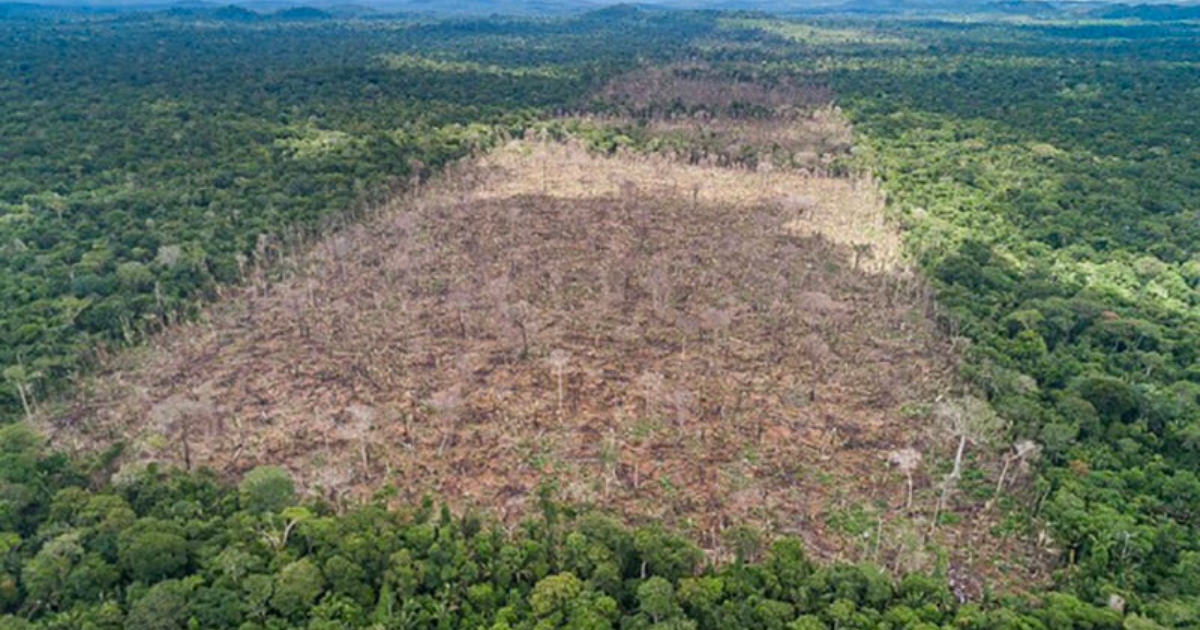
{"x":500,"y":5}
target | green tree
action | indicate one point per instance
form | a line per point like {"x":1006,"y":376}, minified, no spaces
{"x":163,"y":607}
{"x":151,"y":550}
{"x":656,"y":598}
{"x":296,"y":588}
{"x":266,"y":489}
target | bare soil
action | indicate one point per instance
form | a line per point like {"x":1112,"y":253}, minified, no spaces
{"x":661,"y":337}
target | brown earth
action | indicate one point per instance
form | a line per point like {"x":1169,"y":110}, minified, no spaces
{"x":701,"y":345}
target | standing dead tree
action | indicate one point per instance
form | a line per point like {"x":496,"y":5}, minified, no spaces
{"x":658,"y":284}
{"x":907,"y":460}
{"x":972,"y":420}
{"x":447,"y":403}
{"x":361,"y":421}
{"x":650,"y":385}
{"x":22,"y":380}
{"x":558,"y":362}
{"x":1022,"y":452}
{"x":522,"y":316}
{"x":179,"y":418}
{"x":862,"y":251}
{"x":798,"y":206}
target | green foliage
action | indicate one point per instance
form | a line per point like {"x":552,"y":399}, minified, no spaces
{"x":163,"y":607}
{"x":1044,"y":173}
{"x":151,"y":550}
{"x":297,"y":587}
{"x":1041,"y":175}
{"x":266,"y":489}
{"x":656,"y":598}
{"x":211,"y":567}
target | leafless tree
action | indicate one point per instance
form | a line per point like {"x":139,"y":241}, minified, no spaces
{"x":334,"y":480}
{"x":650,"y":384}
{"x":558,"y":361}
{"x":682,"y":400}
{"x":907,"y":460}
{"x":523,"y":316}
{"x":179,"y":417}
{"x":862,"y":251}
{"x":799,"y":206}
{"x":448,"y":404}
{"x":1023,"y":452}
{"x":362,"y":421}
{"x":460,"y":300}
{"x":658,"y":282}
{"x":717,"y":321}
{"x":970,"y":420}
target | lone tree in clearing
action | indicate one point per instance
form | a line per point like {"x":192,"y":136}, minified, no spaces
{"x":179,"y":418}
{"x":362,"y":419}
{"x":972,"y":420}
{"x":862,"y":251}
{"x":558,"y":361}
{"x":22,"y":380}
{"x":1023,"y":452}
{"x":650,"y":384}
{"x":907,"y":460}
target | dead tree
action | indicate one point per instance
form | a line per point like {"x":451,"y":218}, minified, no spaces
{"x":1022,"y":452}
{"x":22,"y":380}
{"x":558,"y":361}
{"x":179,"y":418}
{"x":362,"y":420}
{"x":650,"y":385}
{"x":862,"y":251}
{"x":907,"y":460}
{"x":522,"y":315}
{"x":447,"y":403}
{"x":971,"y":420}
{"x":658,"y":282}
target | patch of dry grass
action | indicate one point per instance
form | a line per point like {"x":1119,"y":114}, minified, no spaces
{"x":846,"y":211}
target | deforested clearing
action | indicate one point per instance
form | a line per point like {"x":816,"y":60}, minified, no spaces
{"x":697,"y":344}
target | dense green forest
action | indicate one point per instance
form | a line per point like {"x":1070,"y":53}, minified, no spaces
{"x":148,"y":161}
{"x":168,"y":550}
{"x":1051,"y":192}
{"x":1046,"y":175}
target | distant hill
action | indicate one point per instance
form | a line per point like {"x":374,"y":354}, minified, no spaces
{"x":20,"y":9}
{"x":202,"y":10}
{"x":902,"y":6}
{"x":1149,"y":12}
{"x":302,"y":14}
{"x":234,"y":13}
{"x":1012,"y":7}
{"x":29,"y":10}
{"x":350,"y":10}
{"x":489,"y":7}
{"x":247,"y":10}
{"x":1021,"y":7}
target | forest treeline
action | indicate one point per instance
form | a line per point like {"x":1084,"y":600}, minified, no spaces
{"x":167,"y":550}
{"x":1045,"y":174}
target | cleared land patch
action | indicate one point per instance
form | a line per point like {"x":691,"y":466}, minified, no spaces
{"x":701,"y":343}
{"x":652,"y":337}
{"x":704,"y":117}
